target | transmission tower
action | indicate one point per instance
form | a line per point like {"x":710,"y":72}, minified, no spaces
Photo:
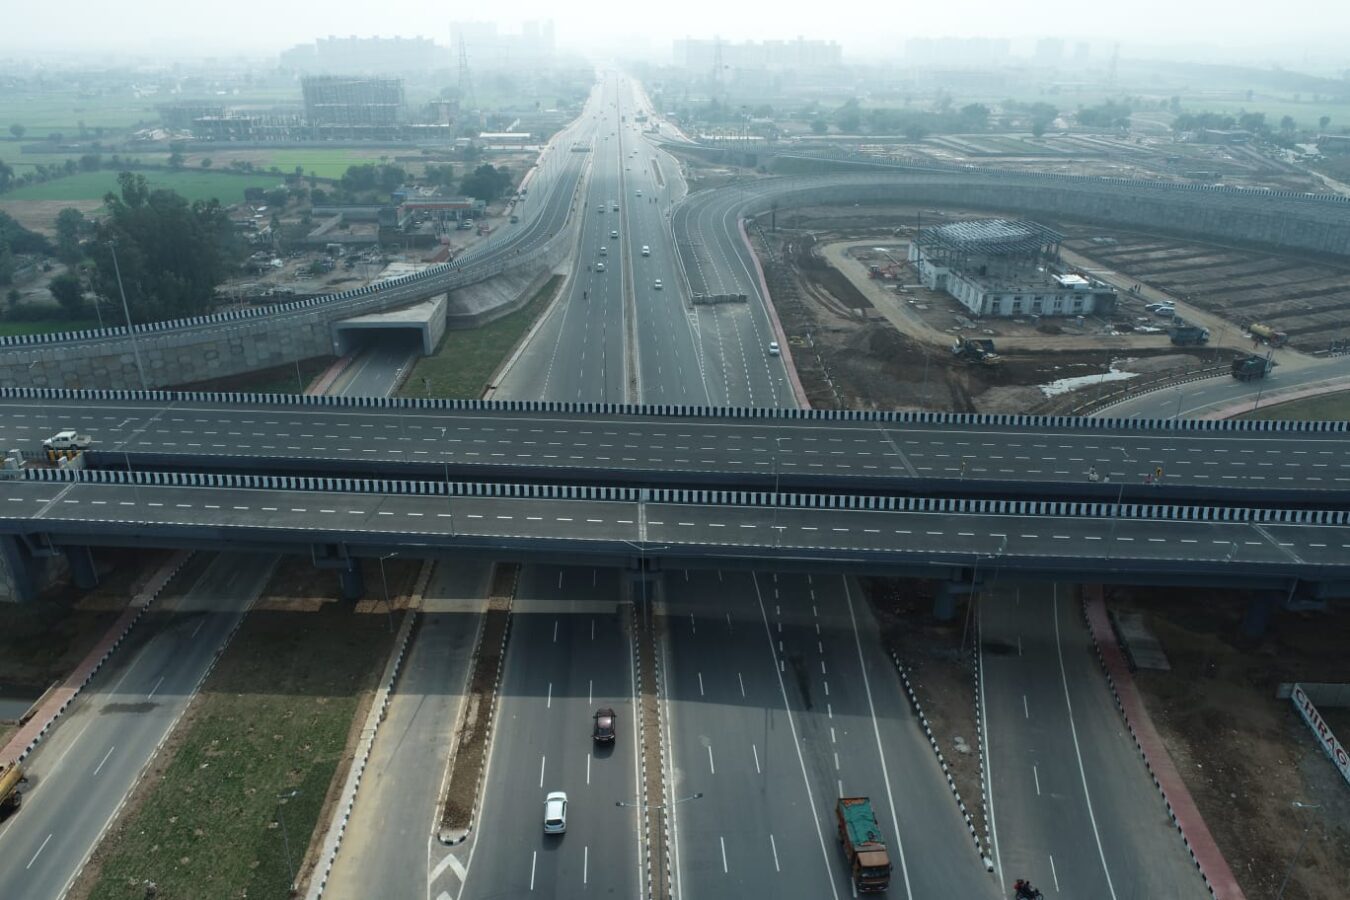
{"x":466,"y":98}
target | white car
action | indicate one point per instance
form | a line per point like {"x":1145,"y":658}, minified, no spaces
{"x":639,"y":193}
{"x":646,"y":251}
{"x":555,"y":813}
{"x":614,"y":233}
{"x":599,"y":267}
{"x":657,"y":285}
{"x":773,"y":348}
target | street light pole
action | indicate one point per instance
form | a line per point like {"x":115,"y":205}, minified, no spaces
{"x":126,"y":311}
{"x":285,"y":838}
{"x":388,"y":609}
{"x":1301,"y":843}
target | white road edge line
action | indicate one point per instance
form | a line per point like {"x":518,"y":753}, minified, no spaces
{"x":988,"y":758}
{"x":796,"y":745}
{"x":1073,"y":730}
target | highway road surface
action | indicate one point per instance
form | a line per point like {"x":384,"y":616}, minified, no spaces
{"x":92,"y":759}
{"x":389,"y":840}
{"x":1075,"y":810}
{"x":1211,"y":395}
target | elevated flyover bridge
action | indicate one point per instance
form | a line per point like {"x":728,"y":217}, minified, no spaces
{"x":1275,"y":463}
{"x":337,"y":521}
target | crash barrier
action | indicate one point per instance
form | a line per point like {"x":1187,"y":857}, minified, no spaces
{"x":708,"y":299}
{"x":480,"y":263}
{"x":698,"y":497}
{"x":678,"y":411}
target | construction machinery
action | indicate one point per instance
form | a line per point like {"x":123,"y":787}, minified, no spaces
{"x":976,"y":351}
{"x":863,"y":845}
{"x":1268,"y":335}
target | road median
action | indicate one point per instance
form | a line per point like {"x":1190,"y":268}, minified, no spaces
{"x":472,"y":738}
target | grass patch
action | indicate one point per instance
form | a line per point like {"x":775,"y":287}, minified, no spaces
{"x":276,"y":715}
{"x":46,"y":326}
{"x":1327,"y":406}
{"x":465,"y":360}
{"x":320,"y":162}
{"x":199,"y":185}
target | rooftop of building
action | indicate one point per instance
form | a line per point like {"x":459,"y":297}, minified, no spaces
{"x":990,"y":236}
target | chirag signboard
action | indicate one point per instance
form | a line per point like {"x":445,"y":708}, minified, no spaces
{"x":1334,"y":748}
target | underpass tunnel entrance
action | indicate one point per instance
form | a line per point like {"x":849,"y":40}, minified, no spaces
{"x":418,"y":328}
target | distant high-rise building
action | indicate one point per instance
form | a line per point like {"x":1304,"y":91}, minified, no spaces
{"x":488,"y":48}
{"x":950,"y":52}
{"x":1082,"y":52}
{"x":1050,"y":51}
{"x":702,"y":55}
{"x":365,"y":55}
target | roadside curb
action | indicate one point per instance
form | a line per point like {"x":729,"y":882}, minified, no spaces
{"x":784,"y":347}
{"x":977,"y":675}
{"x":1181,"y":809}
{"x":1276,"y":398}
{"x":946,"y":771}
{"x":329,"y":375}
{"x":450,"y":838}
{"x":337,"y":826}
{"x":59,"y":700}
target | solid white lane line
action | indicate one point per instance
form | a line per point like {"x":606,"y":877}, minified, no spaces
{"x":1073,"y":730}
{"x":49,"y":837}
{"x":105,"y":759}
{"x":585,"y":862}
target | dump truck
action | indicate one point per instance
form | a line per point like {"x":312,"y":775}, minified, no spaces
{"x":863,"y":845}
{"x":1252,"y":367}
{"x":1268,"y":335}
{"x":11,"y":776}
{"x":1184,"y":334}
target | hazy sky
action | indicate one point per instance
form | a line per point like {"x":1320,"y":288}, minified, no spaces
{"x":182,"y":27}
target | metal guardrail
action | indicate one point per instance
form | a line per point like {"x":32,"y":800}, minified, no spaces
{"x":697,"y":497}
{"x":680,"y":411}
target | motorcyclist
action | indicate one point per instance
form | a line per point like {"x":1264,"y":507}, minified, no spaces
{"x":1024,"y":891}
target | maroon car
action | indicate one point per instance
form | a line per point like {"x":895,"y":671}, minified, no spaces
{"x":605,"y":726}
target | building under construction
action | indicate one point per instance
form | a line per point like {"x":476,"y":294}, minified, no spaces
{"x":340,"y":107}
{"x":1004,"y":267}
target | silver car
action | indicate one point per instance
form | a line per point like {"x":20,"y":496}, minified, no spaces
{"x":555,"y":813}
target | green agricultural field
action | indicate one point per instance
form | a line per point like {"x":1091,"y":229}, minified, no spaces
{"x":192,"y":185}
{"x":1325,"y":406}
{"x":63,"y":111}
{"x":323,"y":163}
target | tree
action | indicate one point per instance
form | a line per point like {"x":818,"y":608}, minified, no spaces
{"x":7,"y":266}
{"x":91,"y":162}
{"x":206,"y":162}
{"x":6,"y":176}
{"x":70,"y":225}
{"x":439,"y":175}
{"x":67,"y":291}
{"x":819,"y":125}
{"x":276,"y":198}
{"x":18,"y":131}
{"x":1323,"y":122}
{"x":13,"y":296}
{"x":487,"y":183}
{"x":172,"y":254}
{"x":975,"y":115}
{"x":175,"y":156}
{"x":1288,"y":125}
{"x":849,"y":116}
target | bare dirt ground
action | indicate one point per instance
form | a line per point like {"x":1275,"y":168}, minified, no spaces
{"x":40,"y":215}
{"x":939,"y":672}
{"x":1245,"y":755}
{"x":475,"y":727}
{"x":850,"y":357}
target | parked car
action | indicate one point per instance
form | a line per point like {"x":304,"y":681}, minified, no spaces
{"x":555,"y":813}
{"x":604,"y":724}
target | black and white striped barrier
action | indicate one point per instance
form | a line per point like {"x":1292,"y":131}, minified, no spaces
{"x":700,"y":497}
{"x":679,"y":411}
{"x":337,"y":827}
{"x":937,"y":751}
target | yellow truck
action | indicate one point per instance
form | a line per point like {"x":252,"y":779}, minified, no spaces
{"x":11,"y":776}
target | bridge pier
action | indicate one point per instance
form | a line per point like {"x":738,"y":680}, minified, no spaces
{"x":350,"y":580}
{"x":643,"y":587}
{"x":945,"y":597}
{"x":82,"y":569}
{"x":21,"y":573}
{"x":1259,"y":610}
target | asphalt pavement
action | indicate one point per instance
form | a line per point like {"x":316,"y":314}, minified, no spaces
{"x":80,"y":774}
{"x":1074,"y":809}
